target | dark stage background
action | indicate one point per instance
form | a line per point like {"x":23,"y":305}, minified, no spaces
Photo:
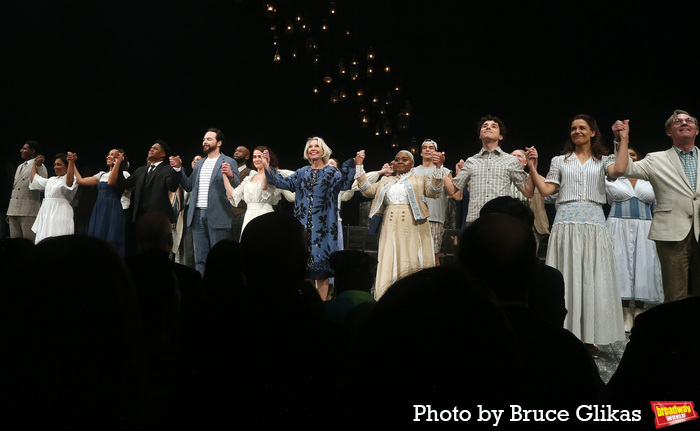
{"x":87,"y":76}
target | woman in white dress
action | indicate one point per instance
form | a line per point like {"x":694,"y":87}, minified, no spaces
{"x":258,"y":195}
{"x":629,"y":221}
{"x":55,"y":216}
{"x":580,"y":245}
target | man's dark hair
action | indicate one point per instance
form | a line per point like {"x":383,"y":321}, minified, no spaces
{"x":164,"y":146}
{"x":219,"y":134}
{"x":34,"y":145}
{"x":501,"y":126}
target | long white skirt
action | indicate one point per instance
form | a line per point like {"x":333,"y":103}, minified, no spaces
{"x":405,"y":246}
{"x":638,"y":267}
{"x":581,"y":248}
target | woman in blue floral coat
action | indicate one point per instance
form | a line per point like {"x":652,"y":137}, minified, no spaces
{"x":316,"y":205}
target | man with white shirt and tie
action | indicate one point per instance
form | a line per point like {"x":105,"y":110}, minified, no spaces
{"x":210,"y":219}
{"x":151,"y":184}
{"x":24,"y":203}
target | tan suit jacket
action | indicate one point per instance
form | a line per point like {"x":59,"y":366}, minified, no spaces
{"x":421,"y":185}
{"x":25,"y":202}
{"x":677,"y":205}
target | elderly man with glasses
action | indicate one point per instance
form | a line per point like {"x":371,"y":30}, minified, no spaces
{"x":673,"y":174}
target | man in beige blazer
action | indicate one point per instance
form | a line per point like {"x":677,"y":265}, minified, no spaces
{"x":24,"y":203}
{"x":676,"y":224}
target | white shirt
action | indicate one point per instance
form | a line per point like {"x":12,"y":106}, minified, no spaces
{"x":204,"y":179}
{"x":582,"y":182}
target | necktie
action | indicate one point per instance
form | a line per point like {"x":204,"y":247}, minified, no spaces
{"x":151,"y":168}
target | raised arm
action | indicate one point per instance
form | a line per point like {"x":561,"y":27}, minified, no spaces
{"x":114,"y":173}
{"x":544,"y":188}
{"x":434,"y":187}
{"x":621,"y":131}
{"x":70,"y":175}
{"x":225,"y":169}
{"x":89,"y":181}
{"x":37,"y":161}
{"x":528,"y":189}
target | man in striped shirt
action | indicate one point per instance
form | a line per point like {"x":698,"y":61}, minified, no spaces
{"x":211,"y":219}
{"x":491,"y":171}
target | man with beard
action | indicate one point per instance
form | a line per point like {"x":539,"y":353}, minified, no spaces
{"x":211,"y":219}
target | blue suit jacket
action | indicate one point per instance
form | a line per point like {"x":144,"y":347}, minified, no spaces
{"x":219,"y":212}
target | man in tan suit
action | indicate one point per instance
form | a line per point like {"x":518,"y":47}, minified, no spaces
{"x":676,"y":224}
{"x":24,"y":203}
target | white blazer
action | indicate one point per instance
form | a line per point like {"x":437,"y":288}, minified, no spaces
{"x":677,"y":205}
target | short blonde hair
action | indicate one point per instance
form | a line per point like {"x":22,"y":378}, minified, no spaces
{"x":326,"y":150}
{"x":410,"y":154}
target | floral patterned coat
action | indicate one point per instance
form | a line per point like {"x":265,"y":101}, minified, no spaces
{"x":316,"y":206}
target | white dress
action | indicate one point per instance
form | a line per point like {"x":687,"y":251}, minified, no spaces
{"x":629,"y":221}
{"x":581,"y":248}
{"x":258,"y":201}
{"x":55,"y":216}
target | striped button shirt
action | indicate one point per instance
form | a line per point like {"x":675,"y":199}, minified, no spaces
{"x":582,"y":182}
{"x":490,"y":175}
{"x":689,"y":161}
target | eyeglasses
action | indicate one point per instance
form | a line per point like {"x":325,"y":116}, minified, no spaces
{"x":689,"y":120}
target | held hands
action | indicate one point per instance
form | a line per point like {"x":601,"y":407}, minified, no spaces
{"x":438,"y":159}
{"x":532,"y":157}
{"x":360,"y":157}
{"x":226,"y":169}
{"x":39,"y":160}
{"x":620,"y":129}
{"x":119,"y":158}
{"x":459,"y":166}
{"x":175,"y":161}
{"x":387,"y":169}
{"x":623,"y":130}
{"x":71,"y":157}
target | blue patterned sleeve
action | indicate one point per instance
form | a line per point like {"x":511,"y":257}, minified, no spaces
{"x":346,"y":175}
{"x":290,"y":183}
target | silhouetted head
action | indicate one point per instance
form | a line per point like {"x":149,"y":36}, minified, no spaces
{"x":500,"y":249}
{"x":275,"y":250}
{"x":154,"y":232}
{"x":436,"y":337}
{"x":353,"y":270}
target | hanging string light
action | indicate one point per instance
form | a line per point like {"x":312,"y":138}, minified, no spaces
{"x":323,"y":36}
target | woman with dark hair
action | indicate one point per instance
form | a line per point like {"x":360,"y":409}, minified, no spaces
{"x":316,"y":204}
{"x":258,"y":195}
{"x":107,"y":221}
{"x":629,"y":221}
{"x":580,"y":245}
{"x":55,"y":216}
